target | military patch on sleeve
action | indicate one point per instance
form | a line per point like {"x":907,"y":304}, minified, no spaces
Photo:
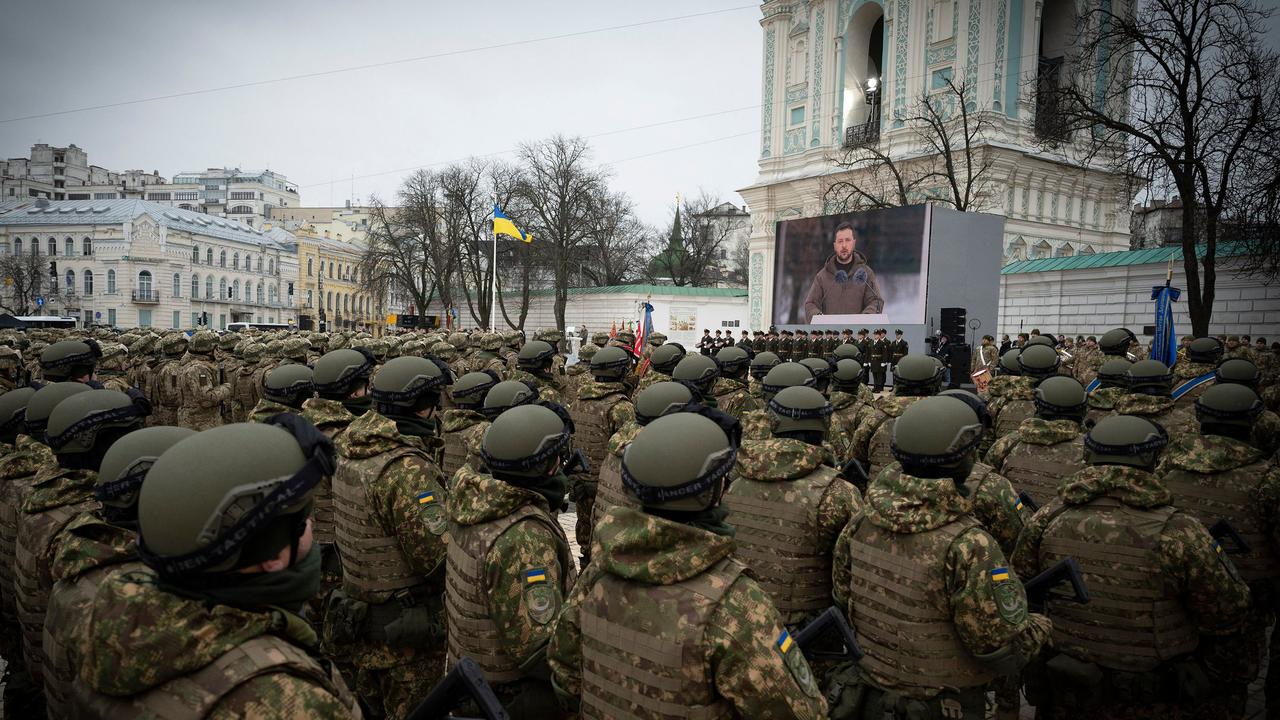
{"x":794,"y":660}
{"x":432,"y":512}
{"x":860,"y":276}
{"x":1226,"y":561}
{"x":1011,"y":603}
{"x":1017,"y":505}
{"x":541,"y":599}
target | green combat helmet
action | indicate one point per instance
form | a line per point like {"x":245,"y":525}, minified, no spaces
{"x":253,"y":352}
{"x":1061,"y":398}
{"x":802,"y":413}
{"x":1125,"y":440}
{"x":445,"y":351}
{"x":173,"y":344}
{"x":1117,"y":341}
{"x":656,"y":339}
{"x":785,"y":375}
{"x":977,"y":404}
{"x":1150,"y":377}
{"x":13,"y":413}
{"x":733,"y":361}
{"x":1009,"y":362}
{"x":846,"y":351}
{"x":143,"y":346}
{"x":468,"y":391}
{"x":338,"y":341}
{"x":665,"y":358}
{"x":535,"y":355}
{"x":1038,"y":340}
{"x":549,"y":335}
{"x":492,"y":342}
{"x":506,"y":395}
{"x":1225,"y":408}
{"x":661,"y":399}
{"x":600,"y":338}
{"x":289,"y":385}
{"x":1114,"y":373}
{"x":586,"y":352}
{"x":699,"y":372}
{"x":338,"y":373}
{"x":84,"y":426}
{"x":847,"y":377}
{"x":459,"y":340}
{"x":523,"y":442}
{"x":41,"y":405}
{"x":203,"y":509}
{"x":229,"y":341}
{"x":1238,"y":371}
{"x":680,"y":462}
{"x":513,"y":339}
{"x":1207,"y":350}
{"x":917,"y":375}
{"x":409,"y":385}
{"x":1038,"y":361}
{"x":821,"y":370}
{"x":69,"y":359}
{"x":125,"y":466}
{"x":762,"y":363}
{"x":937,"y":437}
{"x":203,"y":342}
{"x":610,"y":364}
{"x":296,"y":349}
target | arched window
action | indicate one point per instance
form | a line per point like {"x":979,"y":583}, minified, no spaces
{"x":69,"y":246}
{"x":185,"y":206}
{"x":222,"y":289}
{"x":17,"y":246}
{"x":259,"y":263}
{"x":310,"y":299}
{"x":241,"y":210}
{"x":53,"y":247}
{"x":195,"y":287}
{"x":355,"y":275}
{"x":235,"y":261}
{"x":259,"y":294}
{"x":309,"y":272}
{"x":322,"y":268}
{"x":208,"y":256}
{"x":71,"y":281}
{"x":330,"y":271}
{"x":111,"y":282}
{"x":87,"y":248}
{"x":222,"y":258}
{"x":208,"y":288}
{"x":328,"y":302}
{"x":864,"y":61}
{"x":177,"y":285}
{"x":88,"y":282}
{"x":235,"y":289}
{"x":346,"y":304}
{"x":271,"y":267}
{"x":195,"y":254}
{"x":272,"y":297}
{"x":144,"y":284}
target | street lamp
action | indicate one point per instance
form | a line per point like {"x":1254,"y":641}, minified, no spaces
{"x":872,"y":91}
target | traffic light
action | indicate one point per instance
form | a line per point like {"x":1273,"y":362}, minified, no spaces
{"x":53,"y":269}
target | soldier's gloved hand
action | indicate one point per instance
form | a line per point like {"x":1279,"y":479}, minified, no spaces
{"x":140,"y":401}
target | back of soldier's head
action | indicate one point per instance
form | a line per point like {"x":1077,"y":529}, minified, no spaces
{"x":800,"y":413}
{"x":821,"y":370}
{"x":1150,"y":377}
{"x":664,"y":358}
{"x":847,"y":351}
{"x":610,"y":364}
{"x":1117,"y":341}
{"x":937,"y":437}
{"x":697,"y":371}
{"x":1114,"y":373}
{"x":506,"y":395}
{"x":847,"y":376}
{"x":1238,"y":371}
{"x":13,"y":412}
{"x":1207,"y":350}
{"x":1228,"y":410}
{"x":1127,"y":440}
{"x":41,"y":405}
{"x":338,"y":373}
{"x":917,"y":375}
{"x":125,"y":466}
{"x":536,"y":355}
{"x":290,"y":385}
{"x":660,"y":399}
{"x":679,"y":462}
{"x":84,"y":426}
{"x":69,"y":359}
{"x":1061,"y":398}
{"x":468,"y":391}
{"x":785,"y":375}
{"x":1038,"y":361}
{"x":524,"y":444}
{"x":1009,"y":362}
{"x":734,"y":361}
{"x":762,"y":363}
{"x":407,"y":386}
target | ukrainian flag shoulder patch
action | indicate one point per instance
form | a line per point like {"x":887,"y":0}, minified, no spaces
{"x":999,"y":574}
{"x":536,"y":575}
{"x":427,"y":497}
{"x":785,"y":642}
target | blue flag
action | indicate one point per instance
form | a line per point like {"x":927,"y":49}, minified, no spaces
{"x":1165,"y":346}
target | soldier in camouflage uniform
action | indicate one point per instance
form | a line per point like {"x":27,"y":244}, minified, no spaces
{"x":1165,"y":603}
{"x":1219,"y":474}
{"x":509,"y":564}
{"x":23,"y":457}
{"x":821,"y":369}
{"x":80,"y":430}
{"x":1048,"y":448}
{"x":760,"y":365}
{"x":756,"y":424}
{"x":203,"y":389}
{"x":96,"y":544}
{"x":246,"y":384}
{"x":112,"y":367}
{"x":1016,"y":403}
{"x":1266,"y":427}
{"x":934,"y":604}
{"x":229,"y":363}
{"x":1193,"y":375}
{"x":511,"y":342}
{"x":1111,"y":383}
{"x":651,"y":403}
{"x":555,"y":337}
{"x":662,"y":361}
{"x":1115,"y":344}
{"x":70,"y":361}
{"x":789,"y":504}
{"x":284,"y":390}
{"x":389,"y":501}
{"x":141,"y":356}
{"x":1006,"y":373}
{"x":486,"y":356}
{"x":295,"y":350}
{"x":700,"y":373}
{"x":449,"y":354}
{"x":1149,"y":383}
{"x":850,"y":402}
{"x":665,"y":595}
{"x":535,"y":366}
{"x":576,"y":375}
{"x":11,"y":374}
{"x":916,"y":377}
{"x":462,"y":426}
{"x":731,"y":391}
{"x":222,"y":609}
{"x":166,"y":390}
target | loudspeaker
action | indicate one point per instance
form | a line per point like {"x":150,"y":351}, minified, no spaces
{"x":958,"y":360}
{"x":953,"y":323}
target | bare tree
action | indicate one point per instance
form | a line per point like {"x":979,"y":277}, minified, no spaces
{"x":1184,"y":90}
{"x":25,"y":277}
{"x":396,"y":258}
{"x":697,"y":244}
{"x":616,"y":252}
{"x":467,"y":214}
{"x":947,"y":161}
{"x":740,"y":262}
{"x":561,"y":189}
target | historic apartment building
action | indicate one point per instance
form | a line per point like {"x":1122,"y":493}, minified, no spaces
{"x":134,"y":263}
{"x":840,"y":74}
{"x":330,"y":293}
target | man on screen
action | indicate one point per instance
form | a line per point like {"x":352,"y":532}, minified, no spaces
{"x":845,"y":285}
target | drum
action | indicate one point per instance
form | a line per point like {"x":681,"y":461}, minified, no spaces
{"x":981,"y":378}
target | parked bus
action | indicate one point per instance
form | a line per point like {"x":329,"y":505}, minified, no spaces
{"x":46,"y":321}
{"x":242,"y":326}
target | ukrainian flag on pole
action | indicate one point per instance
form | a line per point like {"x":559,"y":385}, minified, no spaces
{"x":502,"y":225}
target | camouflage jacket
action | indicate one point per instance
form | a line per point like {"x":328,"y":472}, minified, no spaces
{"x":1032,"y":431}
{"x":268,"y":408}
{"x":848,"y":412}
{"x":549,"y":388}
{"x":734,"y":397}
{"x":1191,"y":565}
{"x":329,"y":416}
{"x":137,"y":638}
{"x":988,"y":613}
{"x":880,"y":411}
{"x":742,"y":654}
{"x":199,"y":384}
{"x":471,"y":425}
{"x":998,"y":387}
{"x":478,"y":498}
{"x":620,"y":412}
{"x":90,"y":542}
{"x":1158,"y":409}
{"x":651,"y":377}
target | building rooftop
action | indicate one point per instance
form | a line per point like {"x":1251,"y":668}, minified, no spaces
{"x":114,"y":212}
{"x":669,"y":290}
{"x":1110,"y":259}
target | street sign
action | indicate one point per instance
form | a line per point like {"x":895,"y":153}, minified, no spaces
{"x":97,"y":316}
{"x":39,"y":302}
{"x":391,"y":319}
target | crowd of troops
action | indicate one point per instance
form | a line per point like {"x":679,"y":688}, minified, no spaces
{"x":325,"y":525}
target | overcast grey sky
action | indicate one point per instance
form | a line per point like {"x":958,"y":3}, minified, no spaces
{"x":58,"y":54}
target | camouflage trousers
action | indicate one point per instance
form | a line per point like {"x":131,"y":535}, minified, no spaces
{"x":392,"y":681}
{"x":583,"y":490}
{"x":200,"y":418}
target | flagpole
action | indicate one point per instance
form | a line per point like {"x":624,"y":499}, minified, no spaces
{"x":493,"y":300}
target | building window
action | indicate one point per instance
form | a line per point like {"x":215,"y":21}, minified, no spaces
{"x":144,"y":318}
{"x":272,"y":295}
{"x":797,"y":116}
{"x":111,"y":282}
{"x":259,"y":294}
{"x":177,"y":319}
{"x":222,"y":258}
{"x":208,"y":256}
{"x":322,"y":268}
{"x":144,"y":284}
{"x":195,"y":320}
{"x":35,"y":246}
{"x":111,"y":317}
{"x":271,"y":267}
{"x":208,"y":288}
{"x":235,"y":261}
{"x":159,"y":196}
{"x":17,"y":246}
{"x":88,"y":282}
{"x":53,"y":247}
{"x":330,"y":271}
{"x":309,"y":273}
{"x":235,"y":289}
{"x":195,"y":287}
{"x":110,"y":196}
{"x":222,"y":289}
{"x":71,"y":281}
{"x":70,"y":246}
{"x":259,"y":263}
{"x":86,"y":247}
{"x":195,"y":254}
{"x":222,"y":321}
{"x":328,"y":301}
{"x":310,"y":299}
{"x":241,"y":210}
{"x":177,"y":285}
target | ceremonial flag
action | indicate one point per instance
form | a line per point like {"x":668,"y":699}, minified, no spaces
{"x":1164,"y":347}
{"x":502,"y":225}
{"x":613,"y":330}
{"x":645,"y":327}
